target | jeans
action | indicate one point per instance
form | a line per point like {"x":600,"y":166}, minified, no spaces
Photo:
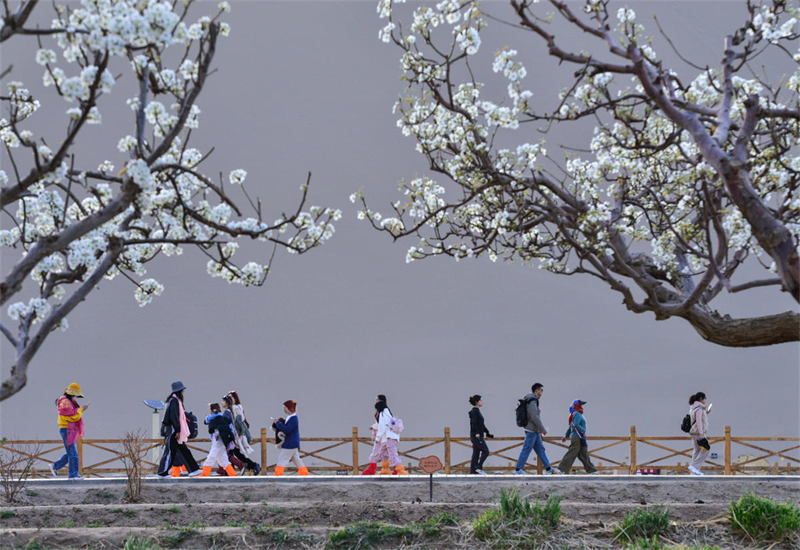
{"x":70,"y":457}
{"x":533,"y":442}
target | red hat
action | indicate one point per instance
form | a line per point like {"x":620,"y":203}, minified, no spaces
{"x":291,"y":405}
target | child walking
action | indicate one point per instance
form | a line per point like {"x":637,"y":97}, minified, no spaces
{"x":480,"y":451}
{"x":221,"y":438}
{"x":290,"y":451}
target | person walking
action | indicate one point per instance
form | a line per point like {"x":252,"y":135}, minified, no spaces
{"x":387,"y":440}
{"x":239,"y":452}
{"x":70,"y":426}
{"x":698,"y":411}
{"x":576,"y":434}
{"x":534,"y":430}
{"x":222,"y":436}
{"x":290,"y":450}
{"x":372,"y":467}
{"x":175,"y":431}
{"x":242,"y":425}
{"x":477,"y":429}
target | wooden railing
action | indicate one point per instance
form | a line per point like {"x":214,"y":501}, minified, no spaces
{"x":348,"y":455}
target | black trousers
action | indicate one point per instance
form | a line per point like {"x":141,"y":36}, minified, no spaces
{"x":175,"y":454}
{"x":480,"y":452}
{"x":240,"y":455}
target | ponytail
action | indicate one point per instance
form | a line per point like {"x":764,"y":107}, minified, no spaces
{"x":696,"y":397}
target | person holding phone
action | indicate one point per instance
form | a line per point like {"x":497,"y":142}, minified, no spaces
{"x":698,"y":411}
{"x":70,"y":426}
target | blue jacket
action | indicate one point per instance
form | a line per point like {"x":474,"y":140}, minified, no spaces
{"x":579,"y":422}
{"x":292,"y":430}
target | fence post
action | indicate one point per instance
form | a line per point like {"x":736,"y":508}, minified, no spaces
{"x":355,"y":451}
{"x":727,"y":450}
{"x":633,"y":450}
{"x":80,"y":456}
{"x":447,"y":451}
{"x":264,"y":451}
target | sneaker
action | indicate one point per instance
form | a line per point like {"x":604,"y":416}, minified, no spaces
{"x":195,"y":473}
{"x":256,"y":469}
{"x":695,"y":471}
{"x":549,"y":471}
{"x":521,"y":473}
{"x":53,"y":470}
{"x":76,"y":478}
{"x":480,"y":472}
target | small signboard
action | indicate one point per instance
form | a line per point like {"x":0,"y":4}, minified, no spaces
{"x":430,"y":464}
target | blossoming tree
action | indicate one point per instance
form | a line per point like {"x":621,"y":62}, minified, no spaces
{"x":684,"y":182}
{"x":71,"y":225}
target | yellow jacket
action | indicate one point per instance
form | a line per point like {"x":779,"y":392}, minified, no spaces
{"x":63,"y":421}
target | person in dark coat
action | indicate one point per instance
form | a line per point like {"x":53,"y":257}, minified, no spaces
{"x":477,"y":429}
{"x":175,"y":431}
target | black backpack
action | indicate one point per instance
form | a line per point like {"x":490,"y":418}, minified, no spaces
{"x":191,"y":421}
{"x":522,"y":412}
{"x":686,"y":425}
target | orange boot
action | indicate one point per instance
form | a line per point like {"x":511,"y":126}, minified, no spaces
{"x":278,"y":470}
{"x":206,"y":471}
{"x":385,"y":471}
{"x":230,"y":471}
{"x":399,"y":471}
{"x":302,"y":471}
{"x":371,"y":469}
{"x":175,"y":471}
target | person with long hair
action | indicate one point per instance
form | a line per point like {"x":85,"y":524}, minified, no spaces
{"x":698,"y":411}
{"x":387,"y":440}
{"x":222,"y":436}
{"x":70,"y":426}
{"x":477,"y":429}
{"x":372,"y":467}
{"x":240,"y":449}
{"x":242,"y":425}
{"x":175,"y":431}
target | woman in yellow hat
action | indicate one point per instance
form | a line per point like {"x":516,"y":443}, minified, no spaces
{"x":70,"y":424}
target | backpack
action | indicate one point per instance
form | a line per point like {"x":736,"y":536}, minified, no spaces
{"x":191,"y":421}
{"x":522,"y":412}
{"x":686,"y":425}
{"x":396,"y":426}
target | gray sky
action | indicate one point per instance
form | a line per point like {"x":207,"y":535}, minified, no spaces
{"x":307,"y":86}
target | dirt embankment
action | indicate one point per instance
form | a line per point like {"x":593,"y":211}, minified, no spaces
{"x":267,"y":513}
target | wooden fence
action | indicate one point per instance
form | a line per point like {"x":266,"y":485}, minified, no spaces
{"x":348,"y":455}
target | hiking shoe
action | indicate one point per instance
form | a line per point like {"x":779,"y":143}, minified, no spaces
{"x":520,"y":473}
{"x":52,"y":470}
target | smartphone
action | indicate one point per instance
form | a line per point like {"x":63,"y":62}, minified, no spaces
{"x":708,"y":410}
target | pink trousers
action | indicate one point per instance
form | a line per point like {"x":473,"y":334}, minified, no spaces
{"x":385,"y":451}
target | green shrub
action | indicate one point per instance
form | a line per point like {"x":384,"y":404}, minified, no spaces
{"x":646,"y":544}
{"x":516,"y":522}
{"x":364,"y":534}
{"x":644,"y":524}
{"x":7,"y":514}
{"x":138,"y":543}
{"x":763,"y":519}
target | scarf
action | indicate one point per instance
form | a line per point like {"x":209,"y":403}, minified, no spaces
{"x":183,"y":436}
{"x":572,"y":410}
{"x":68,"y":407}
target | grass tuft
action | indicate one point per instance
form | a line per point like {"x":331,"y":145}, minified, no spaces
{"x":139,"y":543}
{"x":763,"y":519}
{"x":365,"y":534}
{"x":517,"y":522}
{"x":646,"y":525}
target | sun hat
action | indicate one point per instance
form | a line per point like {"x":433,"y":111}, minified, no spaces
{"x":177,"y":386}
{"x":74,"y":390}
